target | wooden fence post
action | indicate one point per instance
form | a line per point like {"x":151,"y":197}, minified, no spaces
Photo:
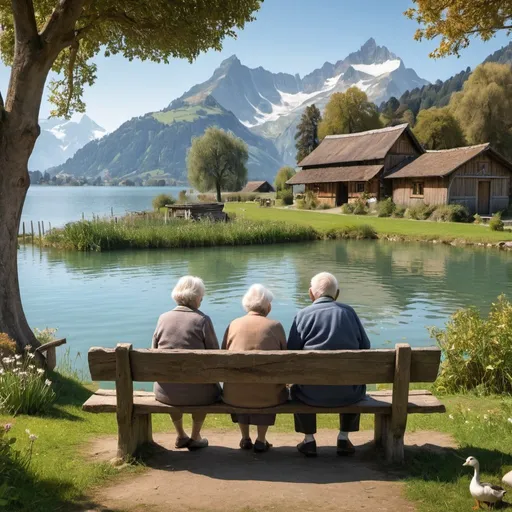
{"x":133,"y":431}
{"x":32,"y":231}
{"x":23,"y":231}
{"x":39,"y":230}
{"x":396,"y":425}
{"x":42,"y":226}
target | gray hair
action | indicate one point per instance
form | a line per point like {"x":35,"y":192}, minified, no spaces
{"x":324,"y":285}
{"x":189,"y":291}
{"x":257,"y":299}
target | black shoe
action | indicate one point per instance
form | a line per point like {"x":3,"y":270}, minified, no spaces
{"x":194,"y":446}
{"x":260,"y":447}
{"x":345,"y":448}
{"x":307,"y":449}
{"x":246,"y":444}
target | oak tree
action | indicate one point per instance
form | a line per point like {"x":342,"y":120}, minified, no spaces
{"x":437,"y":128}
{"x":63,"y":36}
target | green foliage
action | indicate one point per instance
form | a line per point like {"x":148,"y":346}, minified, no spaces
{"x":399,"y":211}
{"x":186,"y":113}
{"x":361,"y":232}
{"x":306,"y":136}
{"x":478,"y":219}
{"x":496,"y":224}
{"x":285,"y":196}
{"x":323,"y":206}
{"x":361,"y":206}
{"x":419,"y":211}
{"x":477,"y":351}
{"x":282,"y":176}
{"x":45,"y":335}
{"x":347,"y":208}
{"x":161,"y":200}
{"x":348,"y":112}
{"x":437,"y":128}
{"x":23,"y":386}
{"x":217,"y":160}
{"x":484,"y":107}
{"x":386,"y":208}
{"x":451,"y":213}
{"x":308,"y":201}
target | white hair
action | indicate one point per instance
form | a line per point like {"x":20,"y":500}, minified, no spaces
{"x":189,"y":291}
{"x":257,"y":299}
{"x":324,"y":285}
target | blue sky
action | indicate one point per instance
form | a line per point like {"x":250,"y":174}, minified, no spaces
{"x":293,"y":36}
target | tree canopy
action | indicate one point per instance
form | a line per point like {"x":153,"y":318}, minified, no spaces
{"x":484,"y":107}
{"x":216,"y":161}
{"x":436,"y":128}
{"x":282,"y":176}
{"x":456,"y":21}
{"x":349,"y":112}
{"x":307,"y":132}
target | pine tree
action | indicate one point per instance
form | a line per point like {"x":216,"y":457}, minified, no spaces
{"x":307,"y":132}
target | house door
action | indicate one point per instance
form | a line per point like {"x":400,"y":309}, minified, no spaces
{"x":484,"y":197}
{"x":341,"y":194}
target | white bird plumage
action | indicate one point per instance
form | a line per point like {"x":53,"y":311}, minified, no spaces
{"x":483,"y":492}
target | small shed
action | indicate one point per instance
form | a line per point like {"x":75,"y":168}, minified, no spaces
{"x":257,"y":186}
{"x":476,"y":177}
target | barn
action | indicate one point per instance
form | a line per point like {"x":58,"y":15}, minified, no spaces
{"x":344,"y":167}
{"x":476,"y":177}
{"x":258,"y":186}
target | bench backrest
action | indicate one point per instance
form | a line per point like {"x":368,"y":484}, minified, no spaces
{"x":302,"y":367}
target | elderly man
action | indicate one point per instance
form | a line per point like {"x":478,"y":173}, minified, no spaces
{"x":327,"y":325}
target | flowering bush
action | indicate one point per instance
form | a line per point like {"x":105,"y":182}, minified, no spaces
{"x":7,"y":345}
{"x":24,"y":388}
{"x":13,"y":465}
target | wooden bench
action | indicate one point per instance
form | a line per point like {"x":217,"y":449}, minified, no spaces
{"x":398,"y":366}
{"x":49,"y":352}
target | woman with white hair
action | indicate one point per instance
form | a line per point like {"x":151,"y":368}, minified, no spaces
{"x":185,"y":327}
{"x":255,"y":331}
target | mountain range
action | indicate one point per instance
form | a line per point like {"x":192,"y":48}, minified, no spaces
{"x":261,"y":107}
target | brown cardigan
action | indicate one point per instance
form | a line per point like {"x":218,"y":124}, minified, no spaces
{"x":254,"y":332}
{"x":185,"y":328}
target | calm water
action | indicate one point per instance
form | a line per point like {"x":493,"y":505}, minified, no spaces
{"x":59,"y":205}
{"x":397,"y":289}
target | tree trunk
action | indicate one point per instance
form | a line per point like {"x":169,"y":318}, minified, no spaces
{"x":219,"y":196}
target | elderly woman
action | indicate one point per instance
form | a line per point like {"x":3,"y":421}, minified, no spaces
{"x":255,"y":331}
{"x":185,"y":327}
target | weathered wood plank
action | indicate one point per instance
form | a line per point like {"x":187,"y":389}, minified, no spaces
{"x":126,"y":441}
{"x":379,"y":402}
{"x":303,"y":367}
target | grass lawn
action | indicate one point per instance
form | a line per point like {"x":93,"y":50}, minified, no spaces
{"x":63,"y":476}
{"x":410,"y":229}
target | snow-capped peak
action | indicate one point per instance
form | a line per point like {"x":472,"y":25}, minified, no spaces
{"x":378,"y":69}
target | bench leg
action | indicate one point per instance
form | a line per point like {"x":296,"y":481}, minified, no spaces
{"x":379,"y":435}
{"x":134,"y":436}
{"x":391,"y":441}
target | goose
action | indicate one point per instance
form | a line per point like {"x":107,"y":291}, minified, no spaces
{"x":483,"y":492}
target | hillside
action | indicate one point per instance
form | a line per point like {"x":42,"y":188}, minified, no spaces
{"x":159,"y":141}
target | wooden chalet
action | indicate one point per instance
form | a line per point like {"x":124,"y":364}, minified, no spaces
{"x":477,"y":177}
{"x":343,"y":167}
{"x":258,"y":186}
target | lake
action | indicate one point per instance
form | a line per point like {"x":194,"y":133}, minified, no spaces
{"x":101,"y":299}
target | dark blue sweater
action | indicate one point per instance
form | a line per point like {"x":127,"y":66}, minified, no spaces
{"x":328,"y":325}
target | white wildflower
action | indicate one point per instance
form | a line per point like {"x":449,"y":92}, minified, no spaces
{"x":40,"y":371}
{"x":22,"y":374}
{"x":1,"y":371}
{"x":18,"y":363}
{"x":17,"y":357}
{"x":509,"y":420}
{"x":48,"y":382}
{"x":450,"y":416}
{"x":27,"y":431}
{"x":15,"y":370}
{"x":469,"y":409}
{"x":31,"y":355}
{"x":466,"y":421}
{"x":486,"y":417}
{"x":32,"y":437}
{"x":31,"y":366}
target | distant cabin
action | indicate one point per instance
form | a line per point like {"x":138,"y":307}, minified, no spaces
{"x":258,"y":186}
{"x":344,"y":167}
{"x":476,"y":177}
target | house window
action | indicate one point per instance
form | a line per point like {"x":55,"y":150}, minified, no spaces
{"x":360,"y":187}
{"x":417,"y":188}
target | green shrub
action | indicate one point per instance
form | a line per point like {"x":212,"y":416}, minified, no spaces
{"x":478,"y":219}
{"x":161,"y":200}
{"x":308,"y":202}
{"x":285,"y":196}
{"x":347,"y":208}
{"x":420,"y":211}
{"x":399,"y":211}
{"x":24,"y":388}
{"x":477,"y":351}
{"x":45,"y":335}
{"x":360,"y":207}
{"x":451,"y":213}
{"x":496,"y":224}
{"x":386,"y":208}
{"x":7,"y":346}
{"x":323,"y":206}
{"x":362,"y":232}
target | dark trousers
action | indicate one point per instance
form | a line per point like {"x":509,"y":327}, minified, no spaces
{"x":306,"y":423}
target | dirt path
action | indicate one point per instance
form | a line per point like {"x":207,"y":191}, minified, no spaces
{"x":223,"y":478}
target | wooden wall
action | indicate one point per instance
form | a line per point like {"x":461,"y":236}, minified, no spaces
{"x":371,"y":188}
{"x":434,"y":191}
{"x":325,"y":192}
{"x":403,"y":146}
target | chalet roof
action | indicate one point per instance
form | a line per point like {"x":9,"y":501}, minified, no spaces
{"x":253,"y":186}
{"x":444,"y":162}
{"x":357,"y":147}
{"x":335,"y":174}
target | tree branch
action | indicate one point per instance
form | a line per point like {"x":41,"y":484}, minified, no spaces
{"x":24,"y":20}
{"x":62,"y":21}
{"x":71,"y":67}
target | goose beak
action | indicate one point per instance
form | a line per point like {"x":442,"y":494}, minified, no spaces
{"x":465,"y":464}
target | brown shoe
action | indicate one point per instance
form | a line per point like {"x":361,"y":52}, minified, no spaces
{"x":345,"y":448}
{"x":193,"y":446}
{"x":307,"y":449}
{"x":260,"y":447}
{"x":246,"y":444}
{"x":181,"y":442}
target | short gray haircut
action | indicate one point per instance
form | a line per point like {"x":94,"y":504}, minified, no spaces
{"x":324,"y":285}
{"x":257,"y":299}
{"x":189,"y":290}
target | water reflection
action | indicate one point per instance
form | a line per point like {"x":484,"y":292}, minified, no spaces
{"x":397,"y":289}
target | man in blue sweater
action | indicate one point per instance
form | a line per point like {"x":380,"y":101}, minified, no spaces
{"x":327,"y":325}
